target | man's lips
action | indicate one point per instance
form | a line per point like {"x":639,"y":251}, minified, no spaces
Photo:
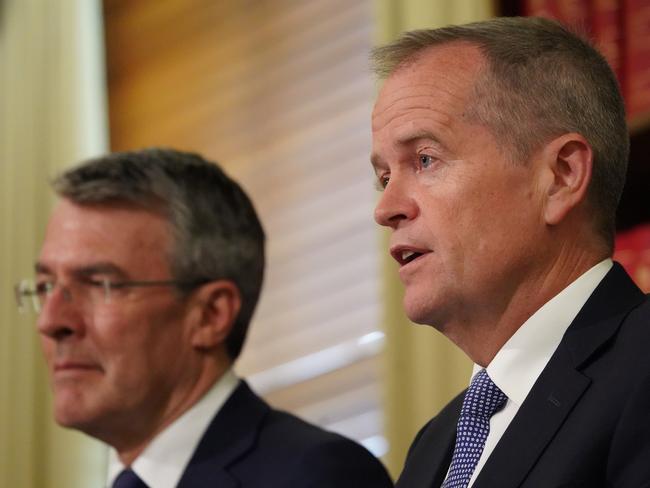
{"x":72,"y":365}
{"x":407,"y":254}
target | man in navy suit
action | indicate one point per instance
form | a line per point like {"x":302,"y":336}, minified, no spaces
{"x":148,"y":277}
{"x":501,"y":148}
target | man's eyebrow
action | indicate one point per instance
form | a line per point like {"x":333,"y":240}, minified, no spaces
{"x":408,"y":138}
{"x":103,"y":267}
{"x":40,"y":268}
{"x":376,"y":161}
{"x":418,"y":135}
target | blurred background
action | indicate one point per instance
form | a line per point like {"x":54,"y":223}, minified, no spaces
{"x":280,"y":94}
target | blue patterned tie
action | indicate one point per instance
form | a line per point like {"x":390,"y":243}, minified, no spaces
{"x":128,"y":479}
{"x":482,"y":400}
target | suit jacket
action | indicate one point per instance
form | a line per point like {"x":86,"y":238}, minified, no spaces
{"x":586,"y":421}
{"x":250,"y":445}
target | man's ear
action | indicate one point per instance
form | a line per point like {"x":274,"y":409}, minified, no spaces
{"x":568,"y":162}
{"x":220,"y":302}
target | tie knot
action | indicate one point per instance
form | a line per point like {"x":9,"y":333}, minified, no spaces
{"x":128,"y":479}
{"x":483,"y":398}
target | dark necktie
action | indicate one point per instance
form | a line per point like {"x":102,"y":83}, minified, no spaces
{"x":128,"y":479}
{"x":482,"y":400}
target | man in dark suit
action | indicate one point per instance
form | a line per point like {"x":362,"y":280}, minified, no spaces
{"x":148,"y":277}
{"x":501,"y":148}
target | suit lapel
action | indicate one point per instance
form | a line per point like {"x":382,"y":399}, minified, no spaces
{"x":561,"y":383}
{"x":430,"y":455}
{"x":443,"y":449}
{"x":441,"y":458}
{"x":555,"y":393}
{"x":232,"y":432}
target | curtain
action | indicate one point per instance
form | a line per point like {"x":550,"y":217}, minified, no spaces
{"x":52,"y":114}
{"x":423,"y":370}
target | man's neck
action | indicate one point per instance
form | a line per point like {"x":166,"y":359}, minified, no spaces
{"x":130,"y":441}
{"x":166,"y":457}
{"x":483,"y":337}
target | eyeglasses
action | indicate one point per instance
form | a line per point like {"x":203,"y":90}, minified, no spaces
{"x":31,"y":296}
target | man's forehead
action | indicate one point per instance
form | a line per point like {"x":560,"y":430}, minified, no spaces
{"x":118,"y":223}
{"x":452,"y":65}
{"x":433,"y":90}
{"x":81,"y":236}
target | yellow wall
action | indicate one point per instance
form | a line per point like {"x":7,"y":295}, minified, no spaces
{"x":51,"y":114}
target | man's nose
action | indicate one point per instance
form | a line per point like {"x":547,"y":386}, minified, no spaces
{"x":395,"y":205}
{"x":60,"y":316}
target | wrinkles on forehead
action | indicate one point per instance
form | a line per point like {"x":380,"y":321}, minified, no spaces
{"x":416,"y":91}
{"x":449,"y":70}
{"x":407,"y":120}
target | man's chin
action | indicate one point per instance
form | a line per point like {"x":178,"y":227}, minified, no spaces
{"x":71,"y":410}
{"x":427,"y":317}
{"x":419,"y":310}
{"x":69,"y":418}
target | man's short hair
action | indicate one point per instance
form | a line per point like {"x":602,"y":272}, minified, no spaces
{"x":541,"y":81}
{"x":215,"y":230}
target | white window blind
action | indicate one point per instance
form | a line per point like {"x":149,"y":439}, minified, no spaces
{"x":278,"y":91}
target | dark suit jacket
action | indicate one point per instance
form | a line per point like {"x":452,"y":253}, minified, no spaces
{"x":250,"y":445}
{"x":586,"y":421}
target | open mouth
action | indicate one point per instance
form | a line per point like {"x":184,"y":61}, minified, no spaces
{"x":408,"y":256}
{"x":405,"y":256}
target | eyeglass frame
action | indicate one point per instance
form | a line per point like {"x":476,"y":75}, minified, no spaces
{"x":23,"y":293}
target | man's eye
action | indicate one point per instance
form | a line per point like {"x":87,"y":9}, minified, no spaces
{"x":42,"y":288}
{"x":382,"y":182}
{"x":425,"y":160}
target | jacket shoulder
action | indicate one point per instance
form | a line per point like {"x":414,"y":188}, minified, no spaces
{"x":290,"y":452}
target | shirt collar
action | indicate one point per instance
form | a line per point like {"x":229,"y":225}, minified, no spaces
{"x":164,"y":460}
{"x":520,"y":361}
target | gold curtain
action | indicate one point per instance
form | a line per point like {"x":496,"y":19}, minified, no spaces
{"x":52,"y":113}
{"x":423,"y":370}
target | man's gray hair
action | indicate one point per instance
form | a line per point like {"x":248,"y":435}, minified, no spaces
{"x":541,"y":81}
{"x":216,"y":231}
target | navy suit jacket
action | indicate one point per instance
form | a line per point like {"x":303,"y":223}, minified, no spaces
{"x":586,"y":421}
{"x":250,"y":445}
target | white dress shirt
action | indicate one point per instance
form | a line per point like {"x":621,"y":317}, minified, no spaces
{"x":520,"y":361}
{"x":164,"y":460}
